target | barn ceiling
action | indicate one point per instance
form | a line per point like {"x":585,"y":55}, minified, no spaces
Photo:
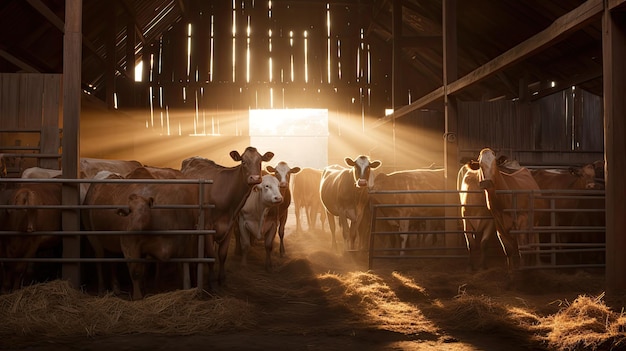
{"x":31,"y":39}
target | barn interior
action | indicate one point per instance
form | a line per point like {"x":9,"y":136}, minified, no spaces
{"x":410,"y":82}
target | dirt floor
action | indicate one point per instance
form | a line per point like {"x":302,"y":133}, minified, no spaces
{"x":320,"y":299}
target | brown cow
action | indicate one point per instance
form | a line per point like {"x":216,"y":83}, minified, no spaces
{"x":228,"y":193}
{"x":492,"y":180}
{"x":283,"y":173}
{"x":141,"y":216}
{"x":344,"y":193}
{"x":256,"y":220}
{"x":551,"y":181}
{"x":478,"y":225}
{"x":422,"y":180}
{"x":306,"y":195}
{"x":29,"y":221}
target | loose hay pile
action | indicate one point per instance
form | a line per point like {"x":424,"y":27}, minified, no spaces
{"x":56,"y":309}
{"x":587,"y":324}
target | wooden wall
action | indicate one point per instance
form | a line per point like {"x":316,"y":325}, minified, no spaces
{"x":30,"y":118}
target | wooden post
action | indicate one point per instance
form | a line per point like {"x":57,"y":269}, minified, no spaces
{"x":396,"y":74}
{"x":450,"y":140}
{"x":614,"y":72}
{"x":72,"y":63}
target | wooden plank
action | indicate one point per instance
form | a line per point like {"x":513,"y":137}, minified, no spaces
{"x":31,"y":93}
{"x":9,"y":103}
{"x":50,"y":141}
{"x":614,"y":54}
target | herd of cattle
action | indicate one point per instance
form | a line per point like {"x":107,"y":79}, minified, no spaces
{"x":251,"y":204}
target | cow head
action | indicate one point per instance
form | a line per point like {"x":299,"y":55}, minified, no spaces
{"x":24,"y":219}
{"x":282,"y":172}
{"x":487,"y":162}
{"x":138,"y":211}
{"x":251,"y":161}
{"x":361,"y":168}
{"x":269,"y":190}
{"x":586,"y":175}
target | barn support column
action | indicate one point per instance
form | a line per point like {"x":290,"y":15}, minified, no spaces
{"x":72,"y":58}
{"x":614,"y":72}
{"x":396,"y":74}
{"x":450,"y":144}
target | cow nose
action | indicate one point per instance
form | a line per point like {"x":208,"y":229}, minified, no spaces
{"x":254,"y":179}
{"x":278,"y":199}
{"x":362,"y":183}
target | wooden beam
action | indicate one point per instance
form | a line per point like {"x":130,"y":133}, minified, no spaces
{"x":19,"y":63}
{"x":614,"y":72}
{"x":561,"y":27}
{"x":133,"y":15}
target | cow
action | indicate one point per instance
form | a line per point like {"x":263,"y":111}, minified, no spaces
{"x":255,"y":220}
{"x":478,"y":225}
{"x":283,"y":173}
{"x":305,"y":192}
{"x":492,"y":180}
{"x":422,"y":180}
{"x":566,"y":204}
{"x":345,"y":194}
{"x":29,"y":221}
{"x":227,"y":194}
{"x":135,"y":212}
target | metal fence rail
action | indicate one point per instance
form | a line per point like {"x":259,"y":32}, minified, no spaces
{"x":200,"y":232}
{"x":556,"y":240}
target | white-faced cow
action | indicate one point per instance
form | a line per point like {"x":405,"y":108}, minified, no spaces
{"x":428,"y":204}
{"x":523,"y":218}
{"x":345,"y":194}
{"x":136,"y":213}
{"x":29,"y":221}
{"x":283,"y":173}
{"x":255,"y":220}
{"x":305,"y":192}
{"x":228,"y":193}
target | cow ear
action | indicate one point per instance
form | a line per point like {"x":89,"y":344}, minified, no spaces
{"x":256,"y":188}
{"x":235,"y":155}
{"x":375,"y":164}
{"x":349,"y":161}
{"x":267,"y":156}
{"x":294,"y":170}
{"x":270,"y":169}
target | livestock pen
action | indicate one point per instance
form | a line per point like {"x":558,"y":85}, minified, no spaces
{"x":577,"y":243}
{"x":81,"y":258}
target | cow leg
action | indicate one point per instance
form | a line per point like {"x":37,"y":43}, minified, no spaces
{"x":332,"y":226}
{"x":346,"y":230}
{"x":470,"y":241}
{"x":223,"y":253}
{"x":487,"y":231}
{"x":243,"y":242}
{"x":404,"y":238}
{"x":269,"y":243}
{"x":511,"y":250}
{"x":281,"y":234}
{"x":136,"y":270}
